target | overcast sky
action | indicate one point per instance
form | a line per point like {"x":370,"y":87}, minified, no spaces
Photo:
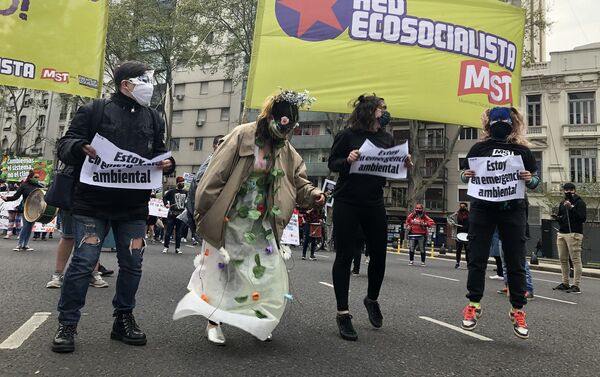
{"x":575,"y":23}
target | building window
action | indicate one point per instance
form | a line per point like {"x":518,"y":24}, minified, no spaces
{"x":434,"y":199}
{"x":198,"y":143}
{"x":204,"y":87}
{"x":210,"y":38}
{"x":401,"y":136}
{"x":41,"y":121}
{"x":225,"y":113}
{"x":462,"y":195}
{"x":177,"y":116}
{"x":534,"y":110}
{"x":227,"y":86}
{"x":311,"y":130}
{"x":399,"y":196}
{"x":582,"y":108}
{"x":23,"y":121}
{"x":201,"y":117}
{"x":179,"y":89}
{"x":175,"y":144}
{"x":27,"y":100}
{"x":469,"y":133}
{"x":538,"y":164}
{"x":583,"y":165}
{"x":8,"y":123}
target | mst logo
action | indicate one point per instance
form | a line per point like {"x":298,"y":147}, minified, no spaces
{"x":477,"y":78}
{"x":52,"y":74}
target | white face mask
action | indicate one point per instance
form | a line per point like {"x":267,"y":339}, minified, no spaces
{"x":144,"y":89}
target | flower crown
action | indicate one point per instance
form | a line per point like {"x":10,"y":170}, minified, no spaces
{"x":300,"y":99}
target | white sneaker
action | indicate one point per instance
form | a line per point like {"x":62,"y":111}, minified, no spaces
{"x":183,"y":240}
{"x":177,"y":251}
{"x":215,"y":335}
{"x":165,"y":250}
{"x":56,"y":281}
{"x":496,"y":277}
{"x":96,"y":280}
{"x":422,"y":264}
{"x":367,"y":260}
{"x":411,"y":263}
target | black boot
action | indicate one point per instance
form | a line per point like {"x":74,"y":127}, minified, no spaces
{"x":375,"y":316}
{"x":344,"y":322}
{"x":64,"y":339}
{"x":127,"y":331}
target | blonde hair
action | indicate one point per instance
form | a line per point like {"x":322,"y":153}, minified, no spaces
{"x":517,"y":136}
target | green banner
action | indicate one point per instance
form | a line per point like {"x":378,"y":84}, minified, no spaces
{"x":14,"y":169}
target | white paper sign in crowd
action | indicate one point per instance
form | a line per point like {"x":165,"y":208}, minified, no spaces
{"x":291,"y":233}
{"x":387,"y":163}
{"x":496,"y":178}
{"x":118,"y":168}
{"x":157,"y":208}
{"x":7,"y":206}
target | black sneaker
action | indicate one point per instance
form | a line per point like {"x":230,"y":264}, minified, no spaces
{"x":574,"y":289}
{"x":375,"y":316}
{"x":344,"y":322}
{"x":561,"y":287}
{"x":104,"y":271}
{"x":64,"y":339}
{"x":127,"y":331}
{"x":457,"y":265}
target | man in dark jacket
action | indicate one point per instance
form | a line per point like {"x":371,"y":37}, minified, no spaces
{"x":174,"y":200}
{"x":127,"y":122}
{"x":572,"y":213}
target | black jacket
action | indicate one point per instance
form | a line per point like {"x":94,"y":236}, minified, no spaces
{"x":571,"y":221}
{"x":127,"y":125}
{"x":24,"y":190}
{"x":358,"y":189}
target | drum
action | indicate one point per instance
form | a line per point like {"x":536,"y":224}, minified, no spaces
{"x":462,"y":237}
{"x":37,"y":210}
{"x":315,"y":230}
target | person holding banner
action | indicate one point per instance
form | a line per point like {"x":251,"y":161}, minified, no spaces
{"x":127,"y":130}
{"x":243,"y":203}
{"x":359,"y":203}
{"x":25,"y":188}
{"x":504,"y":161}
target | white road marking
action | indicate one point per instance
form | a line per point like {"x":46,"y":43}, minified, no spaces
{"x":457,"y":329}
{"x":440,"y":277}
{"x":555,"y":299}
{"x":322,"y":256}
{"x":548,"y":281}
{"x":326,"y":284}
{"x":190,"y":246}
{"x":16,"y":339}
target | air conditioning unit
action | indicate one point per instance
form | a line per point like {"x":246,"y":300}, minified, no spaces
{"x":179,"y":97}
{"x":199,"y":123}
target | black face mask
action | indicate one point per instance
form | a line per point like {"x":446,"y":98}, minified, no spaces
{"x":419,"y":212}
{"x":569,"y":195}
{"x":385,"y":118}
{"x":500,"y":131}
{"x":180,"y":186}
{"x":463,"y":209}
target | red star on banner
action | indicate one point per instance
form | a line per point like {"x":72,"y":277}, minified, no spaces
{"x":312,"y":11}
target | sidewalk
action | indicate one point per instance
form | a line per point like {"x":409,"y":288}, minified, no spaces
{"x":550,"y":265}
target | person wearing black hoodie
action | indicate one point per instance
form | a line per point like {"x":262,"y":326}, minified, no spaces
{"x":25,"y":189}
{"x":571,"y":216}
{"x":359,"y":203}
{"x":127,"y":122}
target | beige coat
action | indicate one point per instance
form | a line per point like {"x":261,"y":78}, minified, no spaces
{"x":231,"y":166}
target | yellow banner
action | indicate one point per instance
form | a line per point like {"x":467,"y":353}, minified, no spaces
{"x":434,"y":60}
{"x":55,"y":45}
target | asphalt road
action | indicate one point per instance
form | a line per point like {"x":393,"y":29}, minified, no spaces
{"x":564,"y":334}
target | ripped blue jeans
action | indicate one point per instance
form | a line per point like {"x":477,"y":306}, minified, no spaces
{"x":89,"y":234}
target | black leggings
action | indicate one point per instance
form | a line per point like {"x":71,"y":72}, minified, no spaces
{"x":459,"y":247}
{"x":346,"y":219}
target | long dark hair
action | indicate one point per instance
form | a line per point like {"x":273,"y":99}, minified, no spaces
{"x":363,"y":116}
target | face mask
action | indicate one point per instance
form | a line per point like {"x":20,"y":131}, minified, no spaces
{"x":500,"y":131}
{"x":280,"y":130}
{"x":144,"y":89}
{"x":419,"y":211}
{"x":569,"y":195}
{"x":385,"y":118}
{"x":463,"y":209}
{"x":180,"y":186}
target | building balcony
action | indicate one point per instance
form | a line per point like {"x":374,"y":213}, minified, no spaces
{"x":433,"y":145}
{"x":537,"y":132}
{"x":312,"y":142}
{"x":580,"y":130}
{"x":317,"y":169}
{"x":427,"y":172}
{"x":434,"y":205}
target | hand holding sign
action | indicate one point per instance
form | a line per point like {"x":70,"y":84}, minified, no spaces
{"x":497,"y":179}
{"x":389,"y":163}
{"x":353,"y":156}
{"x":89,"y":151}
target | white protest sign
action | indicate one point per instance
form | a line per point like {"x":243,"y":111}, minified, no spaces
{"x":157,"y":208}
{"x":49,"y":228}
{"x":291,"y":233}
{"x":7,"y":206}
{"x":496,"y":178}
{"x":118,"y":168}
{"x":388,"y":163}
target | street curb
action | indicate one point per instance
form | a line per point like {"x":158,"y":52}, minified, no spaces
{"x":535,"y":267}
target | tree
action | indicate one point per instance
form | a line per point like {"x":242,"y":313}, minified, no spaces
{"x":165,"y":34}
